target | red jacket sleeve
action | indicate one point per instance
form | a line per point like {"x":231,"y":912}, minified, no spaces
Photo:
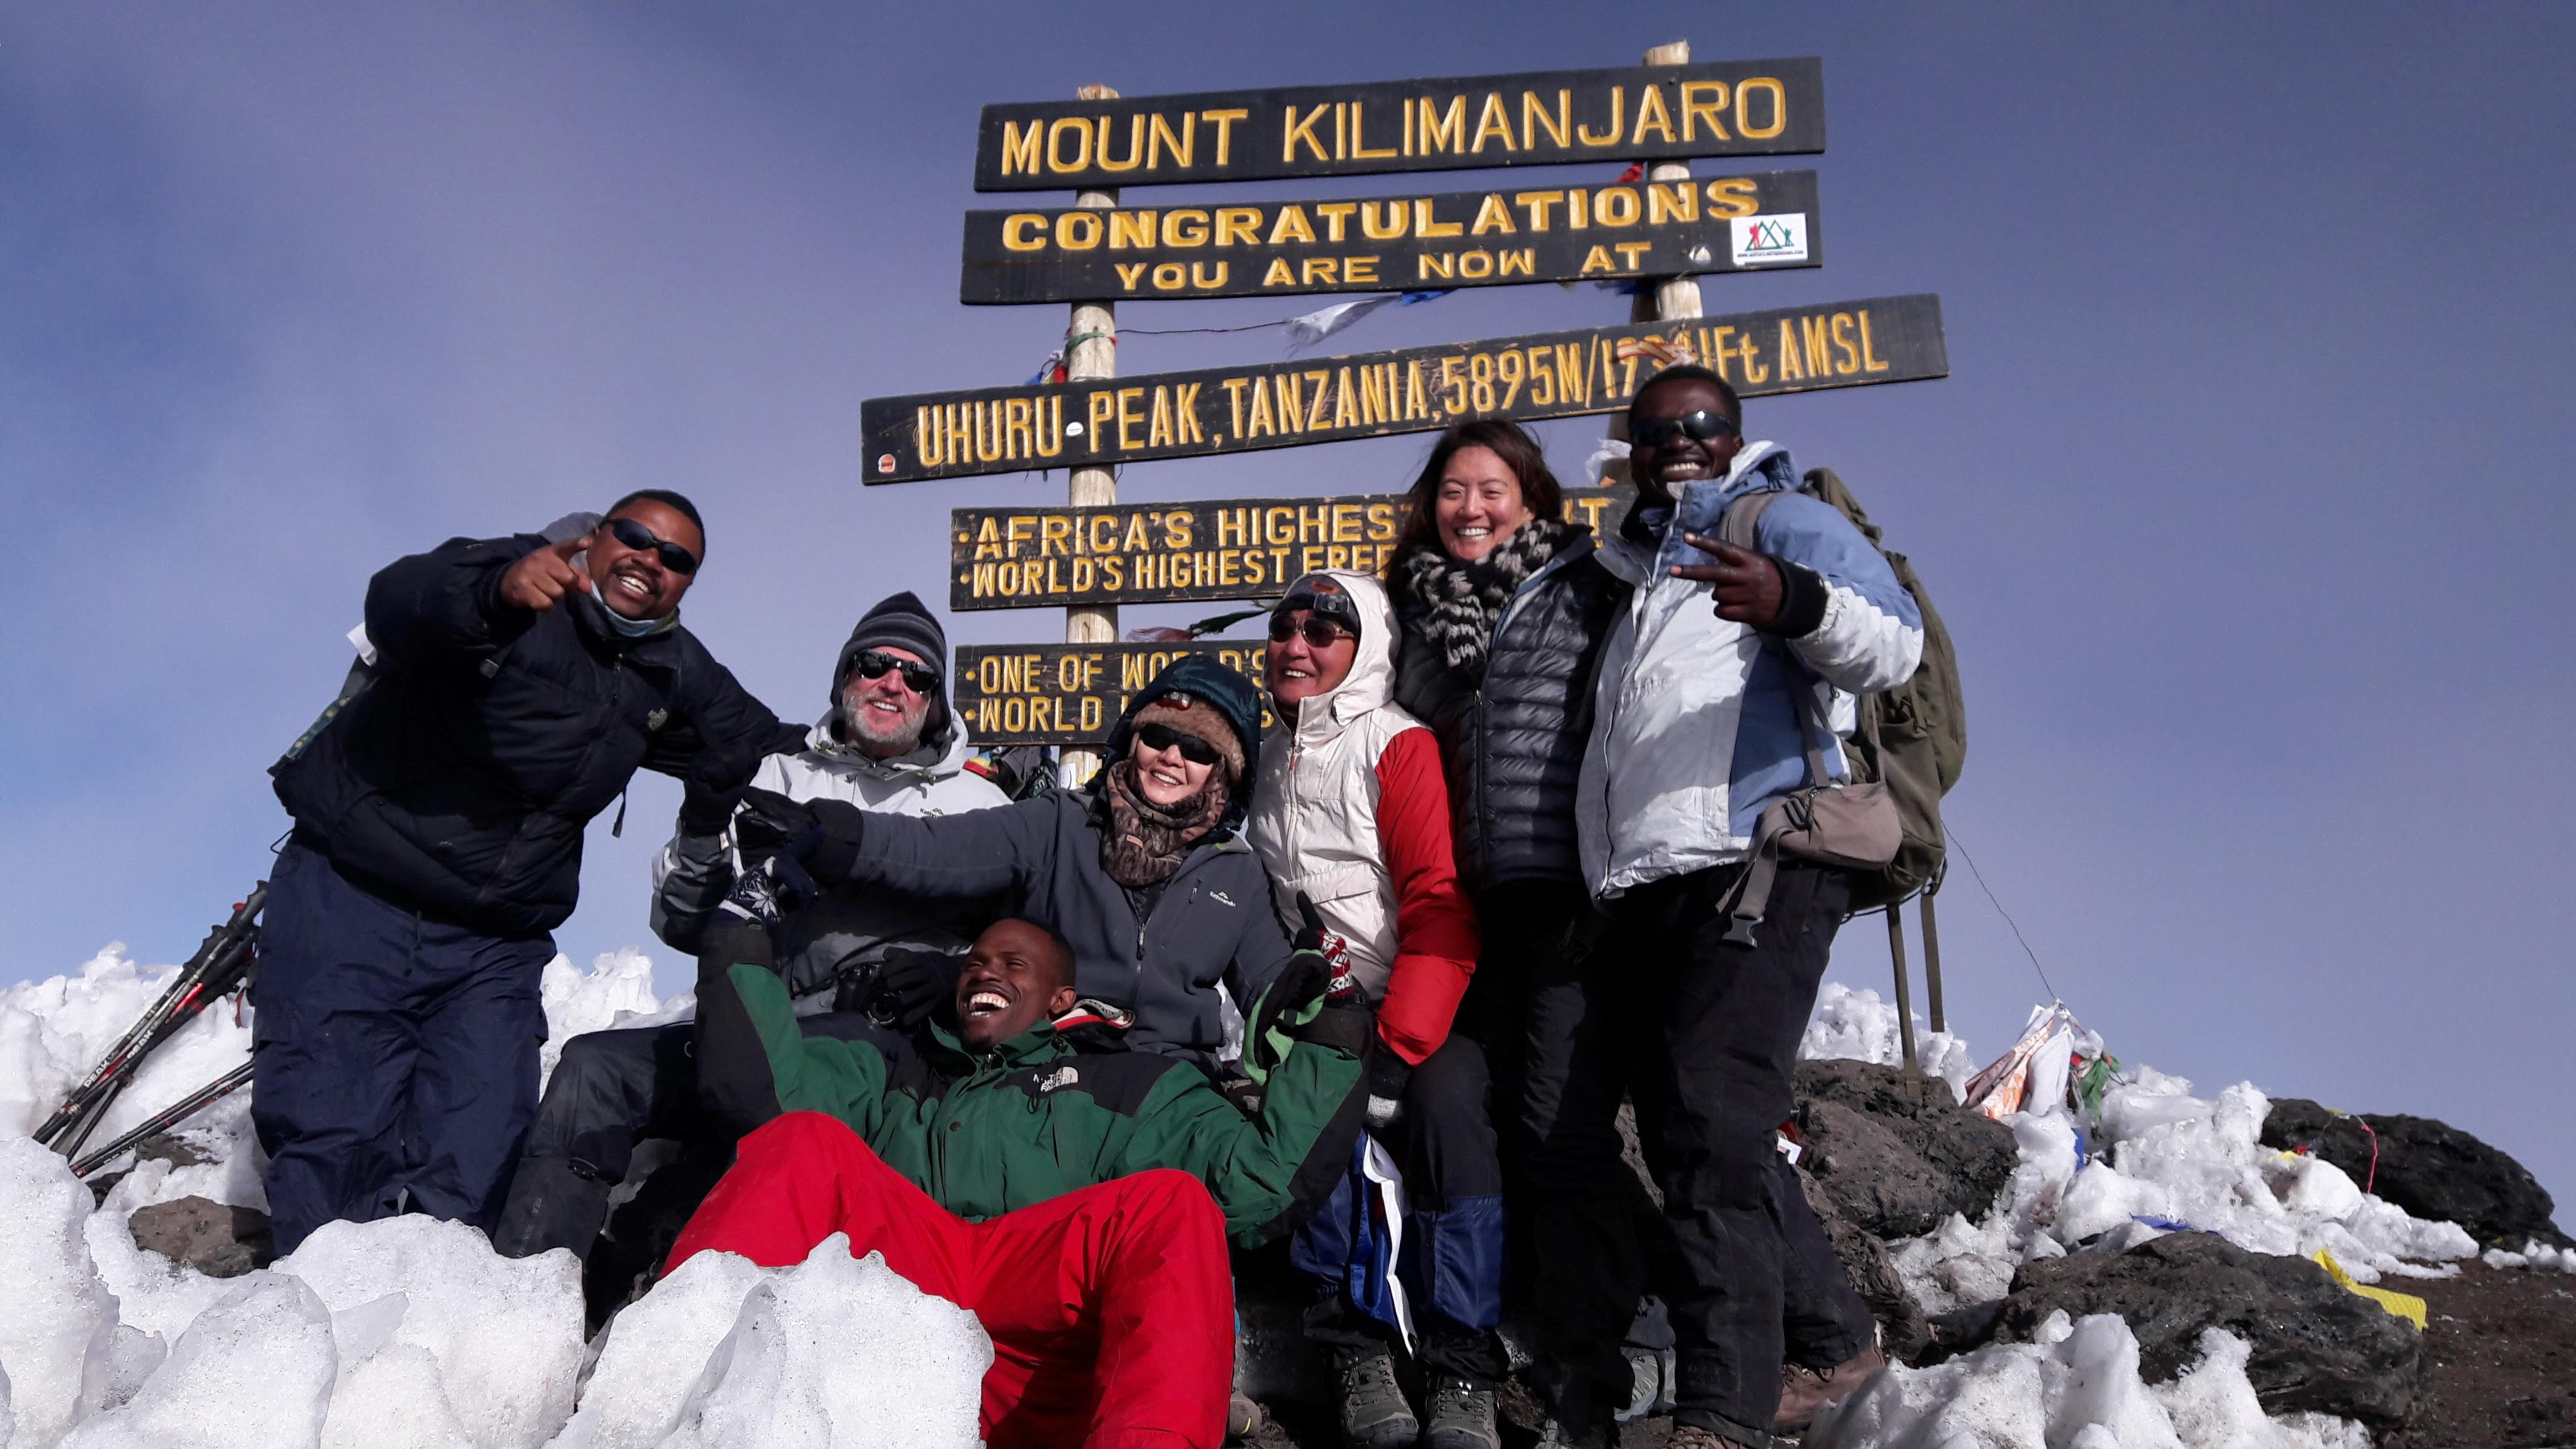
{"x":1435,"y":927}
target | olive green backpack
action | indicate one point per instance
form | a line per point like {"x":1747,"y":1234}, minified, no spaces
{"x":1913,"y":737}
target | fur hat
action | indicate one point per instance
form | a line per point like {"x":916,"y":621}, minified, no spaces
{"x":1192,"y":716}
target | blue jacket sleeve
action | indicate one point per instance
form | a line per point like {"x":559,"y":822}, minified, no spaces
{"x":445,"y":604}
{"x":1871,"y":635}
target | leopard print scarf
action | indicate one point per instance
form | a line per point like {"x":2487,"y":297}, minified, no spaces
{"x":1462,"y":600}
{"x":1144,"y":842}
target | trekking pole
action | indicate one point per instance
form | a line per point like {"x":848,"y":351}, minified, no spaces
{"x":171,"y":1116}
{"x":1904,"y":990}
{"x":218,"y":965}
{"x":1932,"y":955}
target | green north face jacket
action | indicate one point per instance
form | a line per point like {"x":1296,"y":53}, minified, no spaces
{"x":1059,"y":1107}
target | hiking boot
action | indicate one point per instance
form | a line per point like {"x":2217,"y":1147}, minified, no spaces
{"x":1374,"y":1413}
{"x":1462,"y":1415}
{"x":1555,"y":1435}
{"x":1805,"y":1391}
{"x":1691,"y":1436}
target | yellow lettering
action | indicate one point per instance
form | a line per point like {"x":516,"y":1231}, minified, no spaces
{"x":1618,"y":108}
{"x":1176,"y":528}
{"x":1128,"y":419}
{"x":1791,"y":368}
{"x":1131,"y":229}
{"x":1384,"y":220}
{"x":1185,"y":402}
{"x":1817,"y":334}
{"x":1208,"y":276}
{"x":1323,"y":382}
{"x":1696,"y":110}
{"x":1168,"y":276}
{"x":1263,"y":423}
{"x":1536,"y":204}
{"x":1344,"y":414}
{"x":1158,"y":433}
{"x":1733,"y":196}
{"x":1238,"y":224}
{"x":1162,"y":140}
{"x":1650,"y":113}
{"x":1671,"y":201}
{"x":1304,"y":130}
{"x":1015,"y":428}
{"x":1129,"y":273}
{"x":1492,"y":215}
{"x":1356,"y":270}
{"x":1744,"y":91}
{"x":1424,"y":223}
{"x":1630,"y":251}
{"x":1291,"y":392}
{"x":1135,"y":144}
{"x":1534,"y":116}
{"x":1476,"y":264}
{"x":1523,"y":261}
{"x":1442,"y":130}
{"x":1322,"y":271}
{"x":1224,"y":121}
{"x":1290,"y":225}
{"x":1077,"y":231}
{"x":1428,"y":265}
{"x":1335,"y":214}
{"x":1278,"y":275}
{"x":1050,"y":420}
{"x":1015,"y":232}
{"x":1869,"y":361}
{"x":1103,"y":408}
{"x":1494,"y":121}
{"x":1359,"y":143}
{"x":1186,"y":227}
{"x":1416,"y":396}
{"x":1020,"y":150}
{"x":1596,"y":260}
{"x":1057,"y":130}
{"x":1234,"y":387}
{"x":1615,"y":206}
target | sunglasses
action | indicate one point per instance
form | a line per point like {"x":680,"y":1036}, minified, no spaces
{"x":1703,"y":425}
{"x":1193,"y":749}
{"x":919,"y":678}
{"x":1319,"y":633}
{"x":639,"y":538}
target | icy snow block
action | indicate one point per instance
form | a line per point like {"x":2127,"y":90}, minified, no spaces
{"x":58,"y":1316}
{"x":655,"y":1350}
{"x":506,"y":1334}
{"x":253,"y":1372}
{"x":841,"y":1354}
{"x":2314,"y":1346}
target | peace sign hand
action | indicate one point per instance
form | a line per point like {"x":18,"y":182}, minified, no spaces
{"x":539,"y":581}
{"x":1748,"y":585}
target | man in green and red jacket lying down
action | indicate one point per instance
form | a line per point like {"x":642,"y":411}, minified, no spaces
{"x":1019,"y":1162}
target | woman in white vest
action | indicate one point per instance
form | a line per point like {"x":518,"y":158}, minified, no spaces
{"x":1352,"y":813}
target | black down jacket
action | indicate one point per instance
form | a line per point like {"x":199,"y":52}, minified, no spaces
{"x":1512,"y":734}
{"x":458,"y":783}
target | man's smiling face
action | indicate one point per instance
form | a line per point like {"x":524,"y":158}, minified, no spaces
{"x":633,"y":582}
{"x":1016,"y":977}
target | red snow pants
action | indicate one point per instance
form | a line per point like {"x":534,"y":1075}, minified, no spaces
{"x":1111,"y":1308}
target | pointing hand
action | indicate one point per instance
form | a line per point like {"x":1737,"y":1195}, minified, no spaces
{"x":539,"y":581}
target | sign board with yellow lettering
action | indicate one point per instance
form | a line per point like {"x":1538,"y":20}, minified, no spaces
{"x":1153,"y":553}
{"x":1551,"y":118}
{"x":1069,"y":694}
{"x":1297,"y":401}
{"x":1455,"y":239}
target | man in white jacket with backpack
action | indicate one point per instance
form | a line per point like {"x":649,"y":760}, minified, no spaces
{"x":1722,"y":684}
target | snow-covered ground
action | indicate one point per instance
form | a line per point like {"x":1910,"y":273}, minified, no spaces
{"x":413,"y":1332}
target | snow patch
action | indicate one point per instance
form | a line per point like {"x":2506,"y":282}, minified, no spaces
{"x":1857,"y":1026}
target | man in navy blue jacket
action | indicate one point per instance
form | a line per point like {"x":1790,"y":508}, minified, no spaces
{"x":438,"y":813}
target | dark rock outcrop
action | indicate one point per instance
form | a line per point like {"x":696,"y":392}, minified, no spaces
{"x":2429,"y":1168}
{"x":2317,"y":1346}
{"x":1897,"y":1154}
{"x":1873,"y":1272}
{"x":217,"y":1240}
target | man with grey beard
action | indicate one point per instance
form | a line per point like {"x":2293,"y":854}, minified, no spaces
{"x":889,"y":743}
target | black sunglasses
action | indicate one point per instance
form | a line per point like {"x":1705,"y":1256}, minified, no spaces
{"x":639,"y":538}
{"x":1193,"y":749}
{"x":919,"y":678}
{"x":1320,"y":633}
{"x":1703,"y":425}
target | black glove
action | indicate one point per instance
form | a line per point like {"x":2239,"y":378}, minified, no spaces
{"x":1310,"y":931}
{"x":904,"y":990}
{"x":823,"y":835}
{"x":706,"y":809}
{"x":1388,"y":1075}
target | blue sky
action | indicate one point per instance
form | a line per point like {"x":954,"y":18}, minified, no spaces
{"x":2243,"y":501}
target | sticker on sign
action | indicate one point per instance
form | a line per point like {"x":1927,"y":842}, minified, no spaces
{"x":1779,"y":237}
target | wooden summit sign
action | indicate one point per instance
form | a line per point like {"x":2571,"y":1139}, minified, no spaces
{"x":1296,"y":401}
{"x":1457,"y":239}
{"x":1723,"y":108}
{"x":1070,"y":694}
{"x":1154,"y":553}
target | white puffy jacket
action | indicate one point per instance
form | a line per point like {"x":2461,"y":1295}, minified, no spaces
{"x":1695,"y":723}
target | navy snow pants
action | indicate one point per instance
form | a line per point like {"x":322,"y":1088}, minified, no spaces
{"x":1452,"y":1264}
{"x":394,"y":1058}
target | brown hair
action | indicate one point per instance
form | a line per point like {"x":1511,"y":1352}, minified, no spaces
{"x":1508,"y":441}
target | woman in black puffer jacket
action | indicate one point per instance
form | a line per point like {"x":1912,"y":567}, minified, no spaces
{"x":1504,"y":609}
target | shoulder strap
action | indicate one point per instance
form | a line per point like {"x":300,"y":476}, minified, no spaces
{"x":1743,"y":516}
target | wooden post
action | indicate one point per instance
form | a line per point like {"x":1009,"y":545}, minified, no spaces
{"x":1932,"y":958}
{"x":1904,"y":989}
{"x":1672,"y":297}
{"x":1091,"y":353}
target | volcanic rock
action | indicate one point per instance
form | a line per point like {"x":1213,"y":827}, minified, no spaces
{"x":2429,"y":1168}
